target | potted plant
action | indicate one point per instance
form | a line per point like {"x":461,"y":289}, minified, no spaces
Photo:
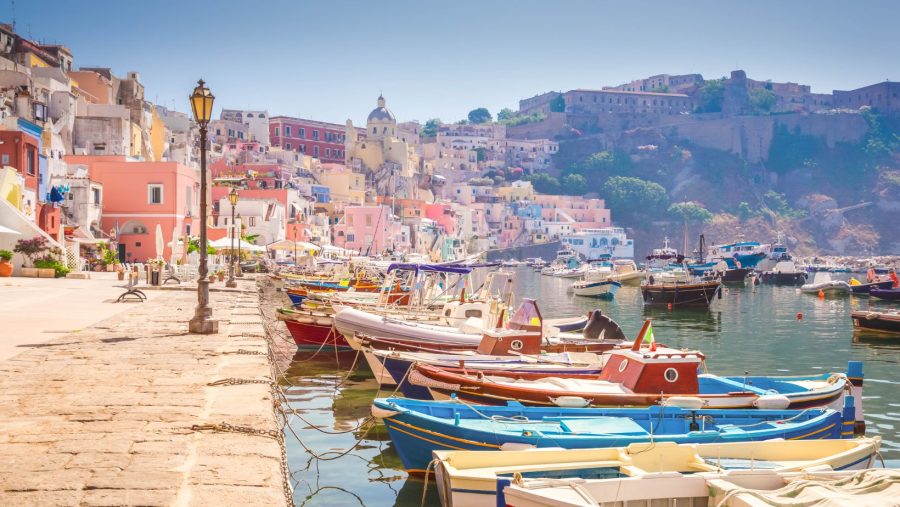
{"x":31,"y":249}
{"x":50,"y":267}
{"x":221,"y":274}
{"x":6,"y":267}
{"x":212,"y":278}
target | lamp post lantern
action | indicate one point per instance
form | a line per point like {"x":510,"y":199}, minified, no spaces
{"x":201,"y":105}
{"x":240,"y":224}
{"x":233,"y":199}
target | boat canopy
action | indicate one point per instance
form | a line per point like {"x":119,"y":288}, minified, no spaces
{"x":459,"y":270}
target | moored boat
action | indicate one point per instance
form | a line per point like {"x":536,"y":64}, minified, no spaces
{"x":419,"y":427}
{"x":823,"y":284}
{"x":698,"y":293}
{"x":603,"y":289}
{"x":471,"y":478}
{"x":888,"y":322}
{"x":866,"y":288}
{"x":888,"y":294}
{"x":785,"y":272}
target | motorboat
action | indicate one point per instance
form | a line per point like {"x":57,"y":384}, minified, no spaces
{"x":662,"y":257}
{"x":823,"y":284}
{"x":693,"y":291}
{"x":471,"y":478}
{"x":603,"y":289}
{"x":784,"y":272}
{"x":888,"y":294}
{"x":863,"y":289}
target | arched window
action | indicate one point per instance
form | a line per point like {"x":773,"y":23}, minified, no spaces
{"x":374,"y":130}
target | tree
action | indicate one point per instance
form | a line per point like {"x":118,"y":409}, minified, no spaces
{"x":431,"y":127}
{"x":631,"y":198}
{"x":762,"y":101}
{"x":544,"y":183}
{"x":712,"y":95}
{"x":558,"y":105}
{"x":505,"y":114}
{"x":574,"y":184}
{"x":602,"y":164}
{"x":690,"y":211}
{"x":480,"y":115}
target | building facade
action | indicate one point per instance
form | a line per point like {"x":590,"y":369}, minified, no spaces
{"x":317,"y":139}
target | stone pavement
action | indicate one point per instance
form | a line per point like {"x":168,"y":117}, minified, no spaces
{"x":104,"y":416}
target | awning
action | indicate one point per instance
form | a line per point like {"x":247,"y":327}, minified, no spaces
{"x":7,"y":230}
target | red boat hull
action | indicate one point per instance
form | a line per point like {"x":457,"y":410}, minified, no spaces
{"x":309,"y":335}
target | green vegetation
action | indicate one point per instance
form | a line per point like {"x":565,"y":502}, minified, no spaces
{"x":744,"y":212}
{"x":691,"y":212}
{"x":634,"y":198}
{"x":48,"y":262}
{"x":107,"y":255}
{"x":879,"y":141}
{"x":762,"y":101}
{"x":516,"y":119}
{"x":480,"y":115}
{"x":712,"y":95}
{"x":544,"y":183}
{"x":31,"y":248}
{"x":505,"y":114}
{"x":430,"y":128}
{"x":5,"y":255}
{"x":602,"y":165}
{"x":574,"y":184}
{"x":558,"y":105}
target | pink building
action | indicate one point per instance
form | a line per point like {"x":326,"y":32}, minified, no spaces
{"x":444,"y":216}
{"x":138,"y":196}
{"x":586,"y":213}
{"x":367,"y":229}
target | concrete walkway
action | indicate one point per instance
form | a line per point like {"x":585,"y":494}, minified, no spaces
{"x":36,"y":310}
{"x":121,"y":413}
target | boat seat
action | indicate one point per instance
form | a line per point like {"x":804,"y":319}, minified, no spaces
{"x":598,"y":425}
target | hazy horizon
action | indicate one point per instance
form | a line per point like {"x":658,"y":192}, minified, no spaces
{"x":329,"y":61}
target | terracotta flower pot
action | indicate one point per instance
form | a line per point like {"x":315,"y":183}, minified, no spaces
{"x":6,"y":269}
{"x":30,"y":272}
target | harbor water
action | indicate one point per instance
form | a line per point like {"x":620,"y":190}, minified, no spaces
{"x":762,"y":330}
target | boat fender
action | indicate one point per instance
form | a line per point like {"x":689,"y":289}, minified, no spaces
{"x":516,"y":446}
{"x":872,"y":316}
{"x":688,"y":402}
{"x":570,"y":402}
{"x":382,"y":413}
{"x":772,"y":402}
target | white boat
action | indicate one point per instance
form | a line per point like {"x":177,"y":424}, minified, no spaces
{"x":605,"y":289}
{"x":823,"y":283}
{"x":470,"y":478}
{"x":729,"y":488}
{"x":626,"y":272}
{"x":661,"y":257}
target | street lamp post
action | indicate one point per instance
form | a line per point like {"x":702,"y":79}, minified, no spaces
{"x":233,"y":199}
{"x":240,"y":224}
{"x":201,"y":105}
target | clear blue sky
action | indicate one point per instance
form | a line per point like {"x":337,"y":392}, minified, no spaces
{"x":329,"y":59}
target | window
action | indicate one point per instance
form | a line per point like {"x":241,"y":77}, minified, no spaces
{"x":351,"y":237}
{"x":96,"y":192}
{"x":5,"y":159}
{"x":368,"y":220}
{"x":251,"y":221}
{"x":316,"y":135}
{"x":287,"y":131}
{"x":315,"y":151}
{"x":302,"y":133}
{"x":287,"y":146}
{"x":249,"y":115}
{"x":154,"y":193}
{"x":302,"y":148}
{"x":328,"y":152}
{"x":29,"y":160}
{"x":276,"y":131}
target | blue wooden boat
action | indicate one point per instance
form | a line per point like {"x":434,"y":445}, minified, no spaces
{"x":419,"y":427}
{"x":296,"y":299}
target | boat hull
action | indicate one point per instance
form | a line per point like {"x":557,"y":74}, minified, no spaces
{"x":774,"y":278}
{"x":603,"y":290}
{"x":888,"y":294}
{"x":419,"y":427}
{"x":863,"y":289}
{"x":833,"y":288}
{"x":874,"y":321}
{"x":315,"y":335}
{"x":689,"y":294}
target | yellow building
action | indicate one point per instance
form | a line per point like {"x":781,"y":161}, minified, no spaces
{"x":346,"y":186}
{"x":381,"y":145}
{"x":518,"y":191}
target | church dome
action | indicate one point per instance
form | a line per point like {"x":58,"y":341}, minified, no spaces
{"x":381,"y":113}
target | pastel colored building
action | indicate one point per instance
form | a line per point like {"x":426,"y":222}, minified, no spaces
{"x":138,"y":196}
{"x":367,"y":229}
{"x":318,"y":139}
{"x":22,"y":150}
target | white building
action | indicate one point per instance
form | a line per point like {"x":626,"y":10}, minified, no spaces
{"x":257,"y":122}
{"x":594,"y":243}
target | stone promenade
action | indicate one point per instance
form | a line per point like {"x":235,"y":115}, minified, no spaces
{"x":104,"y":416}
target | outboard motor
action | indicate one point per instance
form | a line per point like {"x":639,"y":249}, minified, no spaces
{"x":602,"y":327}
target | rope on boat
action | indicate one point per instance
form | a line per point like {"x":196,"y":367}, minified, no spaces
{"x":431,"y":464}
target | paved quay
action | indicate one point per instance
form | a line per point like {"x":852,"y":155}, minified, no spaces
{"x":121,"y":412}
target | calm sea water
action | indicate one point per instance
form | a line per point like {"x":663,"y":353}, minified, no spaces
{"x":749,"y":329}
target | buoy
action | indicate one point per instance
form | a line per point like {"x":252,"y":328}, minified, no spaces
{"x":670,"y":306}
{"x":799,"y":316}
{"x":821,"y":294}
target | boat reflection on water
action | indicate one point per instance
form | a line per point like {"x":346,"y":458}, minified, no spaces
{"x":685,"y":320}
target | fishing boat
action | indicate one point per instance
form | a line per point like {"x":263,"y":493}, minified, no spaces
{"x":693,"y":292}
{"x":419,"y":427}
{"x":863,"y":289}
{"x":739,"y":254}
{"x":603,"y":289}
{"x":728,"y":488}
{"x":822,"y":283}
{"x":888,"y":322}
{"x":311,"y":328}
{"x":784,"y":272}
{"x":888,"y":294}
{"x":775,"y":253}
{"x":662,"y":257}
{"x":474,"y":478}
{"x":639,"y":377}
